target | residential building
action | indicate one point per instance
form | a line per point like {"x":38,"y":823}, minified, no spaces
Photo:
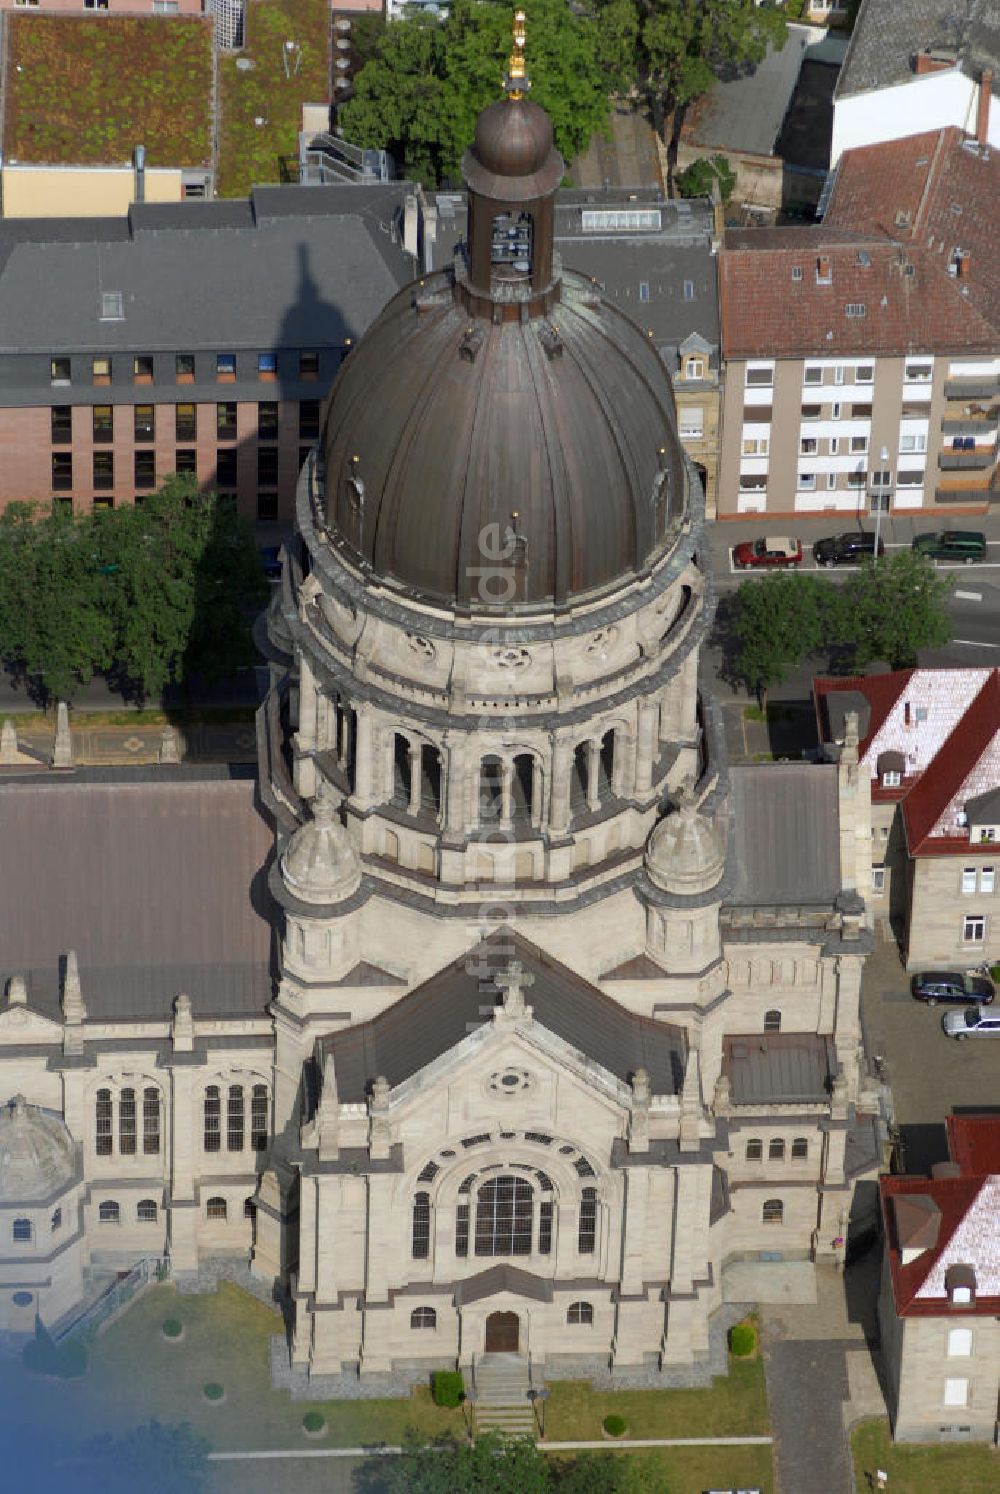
{"x":86,"y":130}
{"x":939,"y":1306}
{"x":918,"y":65}
{"x":655,"y":259}
{"x":930,"y":747}
{"x":863,"y":356}
{"x":521,"y":1016}
{"x":196,"y":337}
{"x":112,"y":7}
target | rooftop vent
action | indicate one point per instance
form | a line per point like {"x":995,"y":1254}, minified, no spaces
{"x":619,"y":220}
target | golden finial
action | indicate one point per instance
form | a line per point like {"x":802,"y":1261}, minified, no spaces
{"x":517,"y":81}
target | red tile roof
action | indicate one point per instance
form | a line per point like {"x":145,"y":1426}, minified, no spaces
{"x":937,"y":786}
{"x":880,"y":690}
{"x":906,"y":207}
{"x":974,"y":1143}
{"x":909,"y":190}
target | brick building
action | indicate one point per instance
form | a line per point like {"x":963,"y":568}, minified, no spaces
{"x":930,"y":743}
{"x":194,"y":338}
{"x":939,"y":1308}
{"x":863,"y":356}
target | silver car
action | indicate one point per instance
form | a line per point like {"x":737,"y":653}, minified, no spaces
{"x":972,"y":1022}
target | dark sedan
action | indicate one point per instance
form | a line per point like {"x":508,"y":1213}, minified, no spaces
{"x":933,"y":986}
{"x":846,"y":549}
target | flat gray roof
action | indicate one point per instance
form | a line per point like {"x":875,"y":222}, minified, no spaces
{"x":158,"y":885}
{"x":746,"y":112}
{"x":778,"y":1066}
{"x":785,"y":834}
{"x":290,"y":267}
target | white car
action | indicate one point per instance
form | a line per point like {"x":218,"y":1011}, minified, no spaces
{"x":972,"y":1022}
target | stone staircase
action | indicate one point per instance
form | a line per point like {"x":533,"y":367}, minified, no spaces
{"x":502,"y":1403}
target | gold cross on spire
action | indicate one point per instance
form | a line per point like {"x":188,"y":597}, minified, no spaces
{"x":517,"y":81}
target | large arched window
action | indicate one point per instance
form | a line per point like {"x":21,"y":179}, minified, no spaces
{"x":580,"y":1312}
{"x":109,"y":1213}
{"x":216,"y":1209}
{"x":423,"y":1317}
{"x":462,"y":1216}
{"x":800,"y":1149}
{"x":504,"y":1216}
{"x":213,"y":1119}
{"x":587,"y":1235}
{"x":776,"y":1149}
{"x":145,"y":1211}
{"x":102,"y":1123}
{"x":21,"y":1231}
{"x":421,"y":1227}
{"x":126,"y":1122}
{"x":151,"y":1121}
{"x":235,"y":1119}
{"x":258,"y":1117}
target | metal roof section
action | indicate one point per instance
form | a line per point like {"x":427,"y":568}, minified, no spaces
{"x":779,"y":1068}
{"x":785,"y":834}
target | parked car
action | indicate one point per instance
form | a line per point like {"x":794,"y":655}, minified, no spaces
{"x":973,"y":1022}
{"x":270,"y":559}
{"x":933,"y":986}
{"x":771,"y":551}
{"x":956,"y":545}
{"x":846,"y":549}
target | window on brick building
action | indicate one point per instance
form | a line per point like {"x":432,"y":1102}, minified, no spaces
{"x":59,"y":370}
{"x":308,"y":365}
{"x":62,"y":424}
{"x":103,"y":424}
{"x":267,"y":420}
{"x":145,"y":469}
{"x":144,"y":423}
{"x":186,"y":422}
{"x":308,"y":419}
{"x":267,"y":467}
{"x":62,"y":471}
{"x":104,"y":470}
{"x":225,"y":422}
{"x":184,"y":368}
{"x":225,"y":468}
{"x":186,"y":460}
{"x":267,"y":507}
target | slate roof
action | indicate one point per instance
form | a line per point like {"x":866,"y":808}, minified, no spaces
{"x":158,"y":885}
{"x":908,"y":190}
{"x":290,"y":267}
{"x":766,"y":313}
{"x":965,"y":1232}
{"x":435,"y":1017}
{"x":778,"y":1067}
{"x":503,"y":1278}
{"x":889,"y":33}
{"x":785,"y":834}
{"x":746,"y":112}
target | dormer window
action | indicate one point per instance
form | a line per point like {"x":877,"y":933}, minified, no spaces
{"x":960,"y":1284}
{"x":891,"y":778}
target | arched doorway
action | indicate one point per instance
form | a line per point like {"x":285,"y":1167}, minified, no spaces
{"x":503,"y":1333}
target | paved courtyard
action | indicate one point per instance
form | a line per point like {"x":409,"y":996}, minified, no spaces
{"x":931,"y":1075}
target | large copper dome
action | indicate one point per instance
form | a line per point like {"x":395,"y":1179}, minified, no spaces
{"x":439,"y":427}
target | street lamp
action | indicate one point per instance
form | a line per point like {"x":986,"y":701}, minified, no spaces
{"x":538,"y":1399}
{"x":881,"y":494}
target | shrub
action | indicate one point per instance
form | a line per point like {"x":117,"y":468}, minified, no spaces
{"x":172,"y":1328}
{"x":314,"y":1421}
{"x":995,"y":972}
{"x":447,"y":1388}
{"x":213,"y":1391}
{"x":742,"y":1340}
{"x":614,"y":1426}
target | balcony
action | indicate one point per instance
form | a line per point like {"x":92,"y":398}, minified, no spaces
{"x":987,"y":388}
{"x":976,"y":461}
{"x":974,"y":422}
{"x":967,"y":495}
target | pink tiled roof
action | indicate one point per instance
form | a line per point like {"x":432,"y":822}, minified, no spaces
{"x":967,"y":764}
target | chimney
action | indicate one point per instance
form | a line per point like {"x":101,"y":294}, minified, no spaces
{"x":964,"y":264}
{"x":907,"y":717}
{"x":983,"y":111}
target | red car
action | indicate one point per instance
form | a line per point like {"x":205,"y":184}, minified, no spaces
{"x":770,"y":551}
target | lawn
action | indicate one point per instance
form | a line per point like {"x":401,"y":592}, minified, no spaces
{"x":951,"y":1469}
{"x":272,"y":91}
{"x":89,"y":89}
{"x":735,"y":1406}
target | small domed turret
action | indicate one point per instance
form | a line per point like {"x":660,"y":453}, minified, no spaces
{"x":513,"y":138}
{"x":685,"y":854}
{"x":321,"y":863}
{"x":36,"y":1153}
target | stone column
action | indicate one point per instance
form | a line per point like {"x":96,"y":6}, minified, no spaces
{"x":645,"y":747}
{"x":593,"y":775}
{"x":562,"y":764}
{"x":506,"y":791}
{"x":634,"y":1230}
{"x":415,"y":765}
{"x":364,"y":788}
{"x":453,"y":780}
{"x":537,"y":789}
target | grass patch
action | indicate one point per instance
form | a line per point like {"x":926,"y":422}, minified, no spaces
{"x":951,"y":1469}
{"x":251,"y":153}
{"x":84,"y":89}
{"x":735,"y":1406}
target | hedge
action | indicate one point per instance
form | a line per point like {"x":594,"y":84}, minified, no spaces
{"x":615,"y":1426}
{"x":447,"y":1388}
{"x":742,"y":1340}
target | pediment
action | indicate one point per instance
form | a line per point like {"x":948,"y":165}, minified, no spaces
{"x":19,"y":1024}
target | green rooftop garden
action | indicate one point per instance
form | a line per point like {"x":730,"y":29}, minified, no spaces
{"x":273,"y":90}
{"x":89,"y":89}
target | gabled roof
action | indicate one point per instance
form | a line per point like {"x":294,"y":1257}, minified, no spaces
{"x":776,"y":300}
{"x":938,"y":191}
{"x":888,"y":34}
{"x":872,"y":696}
{"x":930,"y":808}
{"x":955,"y":1219}
{"x":438,"y":1015}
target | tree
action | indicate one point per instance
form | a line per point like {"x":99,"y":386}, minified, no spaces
{"x":685,"y":43}
{"x":699,"y":179}
{"x":891,"y":609}
{"x":500,"y":1465}
{"x":610,"y":1473}
{"x":618,"y":43}
{"x":776,"y":623}
{"x":428,"y":79}
{"x":160,"y":1458}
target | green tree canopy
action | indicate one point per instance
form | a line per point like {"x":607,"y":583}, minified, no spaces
{"x":775,"y":623}
{"x":685,"y":43}
{"x":428,"y":79}
{"x":698,"y":179}
{"x":145,"y":595}
{"x":892,"y":609}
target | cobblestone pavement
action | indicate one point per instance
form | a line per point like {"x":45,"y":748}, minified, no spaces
{"x":820,"y":1377}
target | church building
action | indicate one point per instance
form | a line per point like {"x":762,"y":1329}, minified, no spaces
{"x":508,"y":1016}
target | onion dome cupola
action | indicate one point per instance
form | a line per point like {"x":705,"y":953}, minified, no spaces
{"x":320,"y":864}
{"x":500,"y":413}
